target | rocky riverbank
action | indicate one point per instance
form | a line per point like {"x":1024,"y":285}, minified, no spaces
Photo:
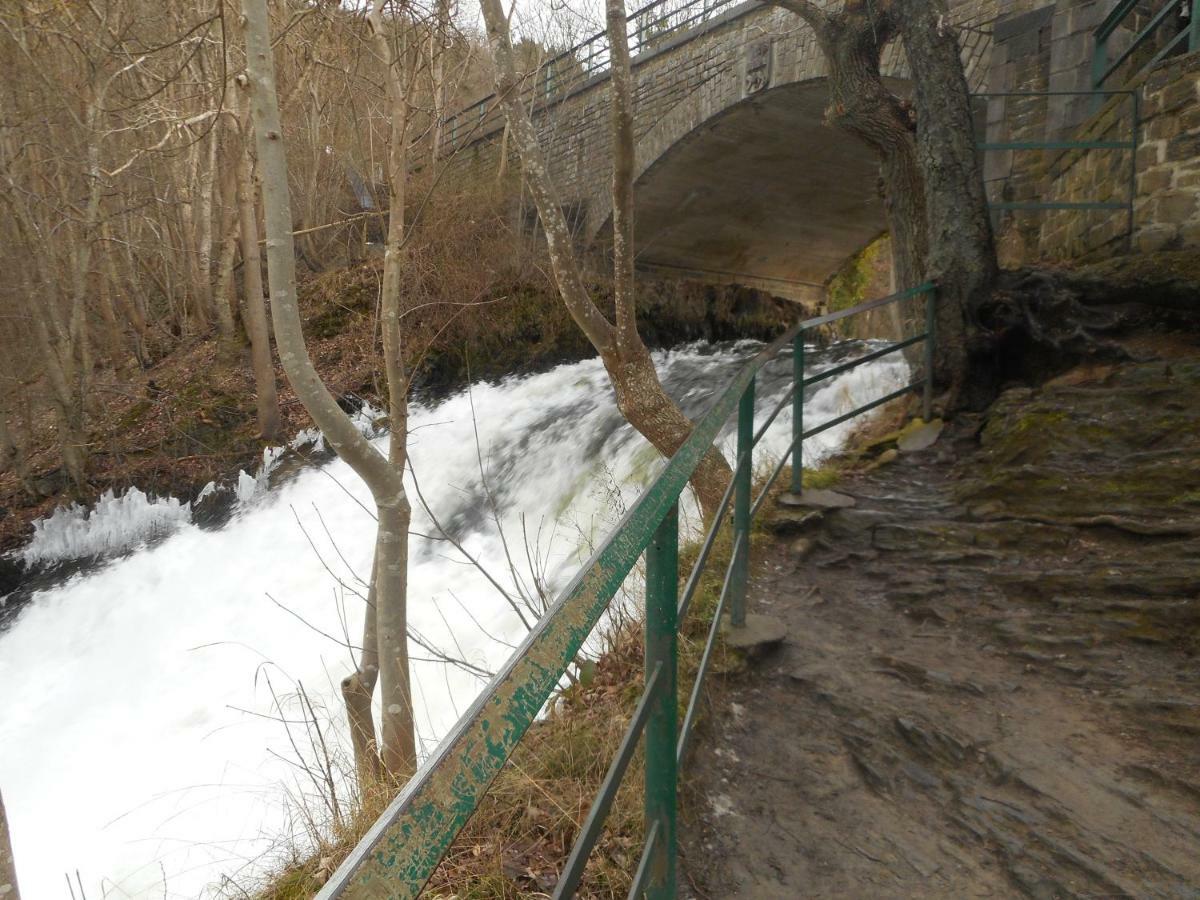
{"x":189,"y":419}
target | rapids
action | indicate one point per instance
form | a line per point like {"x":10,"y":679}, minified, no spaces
{"x":140,"y":697}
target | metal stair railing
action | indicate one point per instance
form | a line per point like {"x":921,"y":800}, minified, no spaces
{"x":1103,"y":68}
{"x":401,"y":850}
{"x":1127,"y":145}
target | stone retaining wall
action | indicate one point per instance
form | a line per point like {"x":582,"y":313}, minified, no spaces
{"x":1166,"y":213}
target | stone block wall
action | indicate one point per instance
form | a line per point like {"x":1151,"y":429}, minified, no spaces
{"x":1167,"y":209}
{"x":1090,"y":176}
{"x":683,"y":83}
{"x":1164,"y":177}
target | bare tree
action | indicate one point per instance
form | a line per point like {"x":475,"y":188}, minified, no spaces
{"x":933,"y":190}
{"x":384,"y":480}
{"x":640,"y":394}
{"x":962,"y":256}
{"x":852,"y":40}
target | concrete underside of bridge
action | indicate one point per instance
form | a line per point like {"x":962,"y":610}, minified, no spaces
{"x":764,"y":194}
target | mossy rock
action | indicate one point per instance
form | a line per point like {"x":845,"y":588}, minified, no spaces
{"x":1128,"y":445}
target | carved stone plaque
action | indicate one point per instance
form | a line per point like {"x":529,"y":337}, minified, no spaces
{"x":758,"y":65}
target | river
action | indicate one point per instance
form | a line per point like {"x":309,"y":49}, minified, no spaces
{"x":140,"y":696}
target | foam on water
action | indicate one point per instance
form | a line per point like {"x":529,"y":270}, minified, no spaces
{"x":136,"y":743}
{"x":114,"y":523}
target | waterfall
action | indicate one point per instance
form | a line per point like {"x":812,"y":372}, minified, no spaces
{"x":139,"y":697}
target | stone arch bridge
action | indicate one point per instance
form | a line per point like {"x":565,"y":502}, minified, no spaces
{"x":738,"y":179}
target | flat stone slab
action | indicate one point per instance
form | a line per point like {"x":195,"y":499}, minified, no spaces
{"x":759,"y":634}
{"x":795,"y":520}
{"x":818,"y":498}
{"x":921,"y":437}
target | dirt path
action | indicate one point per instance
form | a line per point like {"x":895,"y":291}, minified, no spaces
{"x":989,"y":686}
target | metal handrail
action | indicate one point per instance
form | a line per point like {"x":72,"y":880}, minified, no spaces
{"x":1131,"y":146}
{"x":401,"y":850}
{"x":647,"y":28}
{"x":1103,"y":68}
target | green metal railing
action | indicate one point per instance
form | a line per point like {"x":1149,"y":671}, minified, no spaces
{"x":1129,"y":146}
{"x":405,"y":845}
{"x":1103,"y":67}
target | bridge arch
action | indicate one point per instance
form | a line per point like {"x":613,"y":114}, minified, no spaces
{"x":738,"y":178}
{"x":760,"y":192}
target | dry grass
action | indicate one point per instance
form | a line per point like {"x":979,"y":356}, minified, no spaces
{"x":520,"y":836}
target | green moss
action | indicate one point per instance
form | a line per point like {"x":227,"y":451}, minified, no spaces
{"x":824,"y":477}
{"x":848,"y":285}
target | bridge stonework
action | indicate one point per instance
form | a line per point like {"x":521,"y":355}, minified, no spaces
{"x":739,"y":180}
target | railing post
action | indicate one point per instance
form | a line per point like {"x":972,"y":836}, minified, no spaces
{"x":1194,"y":27}
{"x":1135,"y":116}
{"x":741,"y":506}
{"x":662,"y":594}
{"x":1099,"y":65}
{"x":930,"y":337}
{"x":798,"y":413}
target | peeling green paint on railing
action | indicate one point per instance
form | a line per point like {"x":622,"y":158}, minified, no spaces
{"x":403,"y":848}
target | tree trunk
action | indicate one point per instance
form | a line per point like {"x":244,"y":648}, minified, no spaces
{"x":852,"y":41}
{"x":127,"y":298}
{"x":12,"y":455}
{"x":204,"y":229}
{"x":962,"y":253}
{"x":8,"y":865}
{"x":385,"y":482}
{"x":254,"y":311}
{"x":437,"y":65}
{"x":397,"y":726}
{"x":59,"y":364}
{"x":223,"y":284}
{"x":113,"y":337}
{"x":357,"y":691}
{"x":640,"y":394}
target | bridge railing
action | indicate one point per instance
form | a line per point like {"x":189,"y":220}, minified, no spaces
{"x":648,"y":28}
{"x":401,"y":850}
{"x":1103,"y":67}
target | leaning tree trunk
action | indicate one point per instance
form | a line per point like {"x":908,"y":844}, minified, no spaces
{"x":852,"y":41}
{"x":8,"y":865}
{"x":385,"y":482}
{"x":640,"y":394}
{"x":962,"y":255}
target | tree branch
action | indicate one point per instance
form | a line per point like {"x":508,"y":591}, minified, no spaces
{"x":816,"y":17}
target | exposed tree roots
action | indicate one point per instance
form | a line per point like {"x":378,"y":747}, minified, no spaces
{"x":1038,"y":323}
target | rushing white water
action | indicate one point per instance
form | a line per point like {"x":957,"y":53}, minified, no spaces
{"x":137,"y":738}
{"x":73,"y":532}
